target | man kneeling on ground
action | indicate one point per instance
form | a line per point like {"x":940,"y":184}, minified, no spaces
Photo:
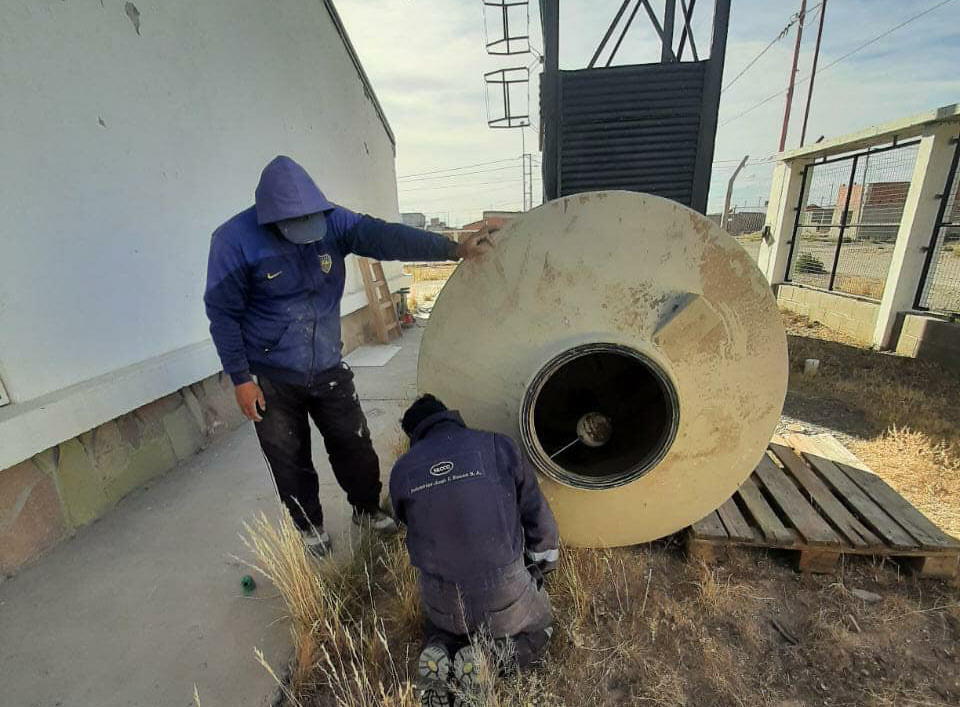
{"x":482,"y":535}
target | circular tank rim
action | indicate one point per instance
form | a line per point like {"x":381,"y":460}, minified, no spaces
{"x":547,"y":466}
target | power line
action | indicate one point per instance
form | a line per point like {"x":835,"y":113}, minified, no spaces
{"x":459,"y":174}
{"x":453,"y":169}
{"x":459,"y":186}
{"x":783,"y":33}
{"x":839,"y":59}
{"x":460,"y":196}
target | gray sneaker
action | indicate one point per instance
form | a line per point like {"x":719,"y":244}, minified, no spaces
{"x":378,"y":520}
{"x":317,"y":542}
{"x":433,"y":672}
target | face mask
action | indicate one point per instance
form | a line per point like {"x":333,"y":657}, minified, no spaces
{"x":305,"y":229}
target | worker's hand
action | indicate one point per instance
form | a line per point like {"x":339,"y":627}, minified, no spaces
{"x":250,"y":398}
{"x":477,"y":245}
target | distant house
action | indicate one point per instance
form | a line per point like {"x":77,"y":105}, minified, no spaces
{"x":816,"y":219}
{"x":875,"y":212}
{"x":415,"y":219}
{"x":438,"y":226}
{"x":492,"y":219}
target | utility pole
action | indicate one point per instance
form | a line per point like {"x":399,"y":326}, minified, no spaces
{"x":813,"y":73}
{"x":726,"y":202}
{"x":793,"y":75}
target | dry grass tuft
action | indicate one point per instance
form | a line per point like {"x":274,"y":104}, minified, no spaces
{"x":430,"y":273}
{"x":924,"y":470}
{"x":633,"y":626}
{"x":644,"y":626}
{"x":859,"y":285}
{"x":346,"y":615}
{"x":911,"y":406}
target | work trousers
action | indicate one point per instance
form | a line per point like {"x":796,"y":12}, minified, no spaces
{"x":512,"y":607}
{"x":284,"y":434}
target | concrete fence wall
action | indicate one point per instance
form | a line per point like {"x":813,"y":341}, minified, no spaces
{"x":878,"y":322}
{"x":856,"y":317}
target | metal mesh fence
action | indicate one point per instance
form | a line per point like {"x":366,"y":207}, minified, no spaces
{"x":849,"y":218}
{"x":940,"y":290}
{"x":818,"y":227}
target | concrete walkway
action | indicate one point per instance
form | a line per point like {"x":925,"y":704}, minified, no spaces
{"x":139,"y":606}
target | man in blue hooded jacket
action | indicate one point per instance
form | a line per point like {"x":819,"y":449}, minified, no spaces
{"x":275,"y":277}
{"x":482,"y":535}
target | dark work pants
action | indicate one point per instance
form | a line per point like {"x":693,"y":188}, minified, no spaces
{"x":284,"y":435}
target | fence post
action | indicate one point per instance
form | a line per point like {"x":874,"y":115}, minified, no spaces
{"x":781,"y":219}
{"x":916,"y":226}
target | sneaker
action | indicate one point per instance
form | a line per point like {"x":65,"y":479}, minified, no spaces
{"x":465,"y":677}
{"x":317,"y":542}
{"x":378,"y":520}
{"x":433,"y":670}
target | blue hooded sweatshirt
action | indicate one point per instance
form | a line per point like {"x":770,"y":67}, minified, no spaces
{"x":274,"y":306}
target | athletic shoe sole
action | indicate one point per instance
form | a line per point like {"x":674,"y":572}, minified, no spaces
{"x":433,"y":669}
{"x":464,"y":677}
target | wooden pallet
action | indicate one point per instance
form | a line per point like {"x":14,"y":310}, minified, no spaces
{"x":382,"y":308}
{"x":809,"y":494}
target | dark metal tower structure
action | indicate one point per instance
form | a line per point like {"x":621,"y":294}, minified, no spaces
{"x":640,"y":127}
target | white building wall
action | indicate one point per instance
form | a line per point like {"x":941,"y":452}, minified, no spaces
{"x":123,"y":150}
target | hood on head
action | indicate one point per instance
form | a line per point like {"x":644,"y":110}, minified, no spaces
{"x":287,"y":191}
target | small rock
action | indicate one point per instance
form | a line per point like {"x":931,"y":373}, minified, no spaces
{"x":866,"y":596}
{"x":794,"y":427}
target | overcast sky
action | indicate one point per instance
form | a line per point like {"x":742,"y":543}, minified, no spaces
{"x":426,"y":59}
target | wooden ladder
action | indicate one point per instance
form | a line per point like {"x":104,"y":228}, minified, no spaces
{"x":381,"y":301}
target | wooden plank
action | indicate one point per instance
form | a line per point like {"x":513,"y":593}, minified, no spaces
{"x":935,"y":566}
{"x":392,"y":320}
{"x":737,"y":527}
{"x":709,"y":527}
{"x":375,"y":284}
{"x":842,"y":519}
{"x":764,"y":516}
{"x":817,"y":560}
{"x":372,"y":299}
{"x":872,"y":515}
{"x":902,"y":511}
{"x":826,"y":446}
{"x":802,"y":515}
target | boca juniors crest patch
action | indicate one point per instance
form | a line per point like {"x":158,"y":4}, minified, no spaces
{"x":326,"y":263}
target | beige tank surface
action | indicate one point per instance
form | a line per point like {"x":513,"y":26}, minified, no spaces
{"x":632,"y":348}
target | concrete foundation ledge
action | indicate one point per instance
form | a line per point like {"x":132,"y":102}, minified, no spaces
{"x":45,"y":498}
{"x":851,"y":315}
{"x":930,"y":337}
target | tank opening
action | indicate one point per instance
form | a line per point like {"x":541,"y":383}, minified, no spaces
{"x":599,"y":416}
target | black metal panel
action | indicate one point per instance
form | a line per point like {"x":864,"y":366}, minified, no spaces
{"x":631,"y":127}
